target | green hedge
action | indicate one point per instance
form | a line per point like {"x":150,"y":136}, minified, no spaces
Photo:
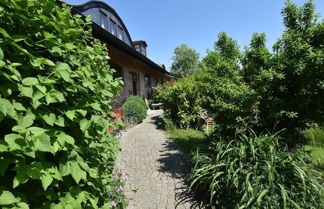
{"x":55,"y":83}
{"x":134,"y":110}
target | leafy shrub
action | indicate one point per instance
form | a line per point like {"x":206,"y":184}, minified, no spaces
{"x":55,"y":85}
{"x":180,"y":102}
{"x":134,"y":110}
{"x":253,"y":172}
{"x":289,"y":82}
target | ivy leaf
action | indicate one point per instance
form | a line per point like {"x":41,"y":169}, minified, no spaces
{"x":30,"y":81}
{"x":20,"y":178}
{"x":6,"y":107}
{"x":15,"y":141}
{"x":62,"y":138}
{"x":46,"y":180}
{"x":63,"y":69}
{"x":27,"y":91}
{"x":43,"y":143}
{"x":26,"y":121}
{"x":65,"y":169}
{"x":36,"y":131}
{"x":39,"y":61}
{"x":19,"y":106}
{"x":96,"y":106}
{"x":41,"y":88}
{"x":60,"y":121}
{"x":85,"y":124}
{"x":49,"y":118}
{"x":7,"y":198}
{"x":70,"y":114}
{"x":56,"y":51}
{"x":76,"y":171}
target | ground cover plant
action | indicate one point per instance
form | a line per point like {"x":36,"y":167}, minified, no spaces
{"x":55,"y":86}
{"x":134,"y":110}
{"x":250,"y":94}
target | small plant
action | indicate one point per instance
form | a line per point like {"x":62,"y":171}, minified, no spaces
{"x":116,"y":191}
{"x":134,"y":110}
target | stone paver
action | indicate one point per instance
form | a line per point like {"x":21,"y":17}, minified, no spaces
{"x":155,"y":166}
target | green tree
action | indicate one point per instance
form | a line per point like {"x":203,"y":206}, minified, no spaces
{"x":296,"y":97}
{"x":185,"y":60}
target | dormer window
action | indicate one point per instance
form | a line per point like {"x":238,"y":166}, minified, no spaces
{"x":112,"y":27}
{"x":143,"y":51}
{"x":140,"y":46}
{"x":120,"y":33}
{"x":103,"y":20}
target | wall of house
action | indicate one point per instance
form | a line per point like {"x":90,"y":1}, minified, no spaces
{"x":129,"y":65}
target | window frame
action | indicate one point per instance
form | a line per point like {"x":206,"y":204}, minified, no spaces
{"x":112,"y":22}
{"x":101,"y":13}
{"x":147,"y":81}
{"x":119,"y":28}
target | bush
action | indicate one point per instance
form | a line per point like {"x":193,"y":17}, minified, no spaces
{"x":134,"y":110}
{"x":253,"y":172}
{"x":55,"y":83}
{"x":180,"y":102}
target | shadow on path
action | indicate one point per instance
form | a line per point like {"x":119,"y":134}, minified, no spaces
{"x":178,"y":165}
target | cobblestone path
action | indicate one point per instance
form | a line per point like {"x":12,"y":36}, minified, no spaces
{"x":155,"y":166}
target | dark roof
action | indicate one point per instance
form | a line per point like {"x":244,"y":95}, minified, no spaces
{"x":95,"y":4}
{"x":141,"y":41}
{"x":112,"y":40}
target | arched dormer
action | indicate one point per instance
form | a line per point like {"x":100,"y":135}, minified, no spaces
{"x":106,"y":17}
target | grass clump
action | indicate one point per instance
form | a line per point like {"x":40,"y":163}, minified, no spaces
{"x":255,"y":172}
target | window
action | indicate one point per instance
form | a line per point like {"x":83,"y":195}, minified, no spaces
{"x":118,"y":71}
{"x":103,"y":20}
{"x":120,"y":33}
{"x":112,"y":27}
{"x":147,"y":81}
{"x":143,"y":50}
{"x":137,"y":47}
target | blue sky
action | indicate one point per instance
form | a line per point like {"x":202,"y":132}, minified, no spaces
{"x":165,"y":24}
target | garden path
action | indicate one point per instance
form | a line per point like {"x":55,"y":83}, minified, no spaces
{"x":155,"y":166}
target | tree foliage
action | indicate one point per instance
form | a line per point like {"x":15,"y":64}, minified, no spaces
{"x":250,"y":95}
{"x":55,"y":85}
{"x":185,"y":60}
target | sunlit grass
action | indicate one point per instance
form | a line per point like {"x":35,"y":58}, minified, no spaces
{"x":189,"y":139}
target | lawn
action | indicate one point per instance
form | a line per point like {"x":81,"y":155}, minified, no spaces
{"x":316,"y":147}
{"x":187,"y":139}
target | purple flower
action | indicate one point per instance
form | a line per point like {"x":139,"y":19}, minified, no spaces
{"x":120,"y":189}
{"x":113,"y":204}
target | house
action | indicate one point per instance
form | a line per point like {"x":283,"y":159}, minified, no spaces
{"x":127,"y":57}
